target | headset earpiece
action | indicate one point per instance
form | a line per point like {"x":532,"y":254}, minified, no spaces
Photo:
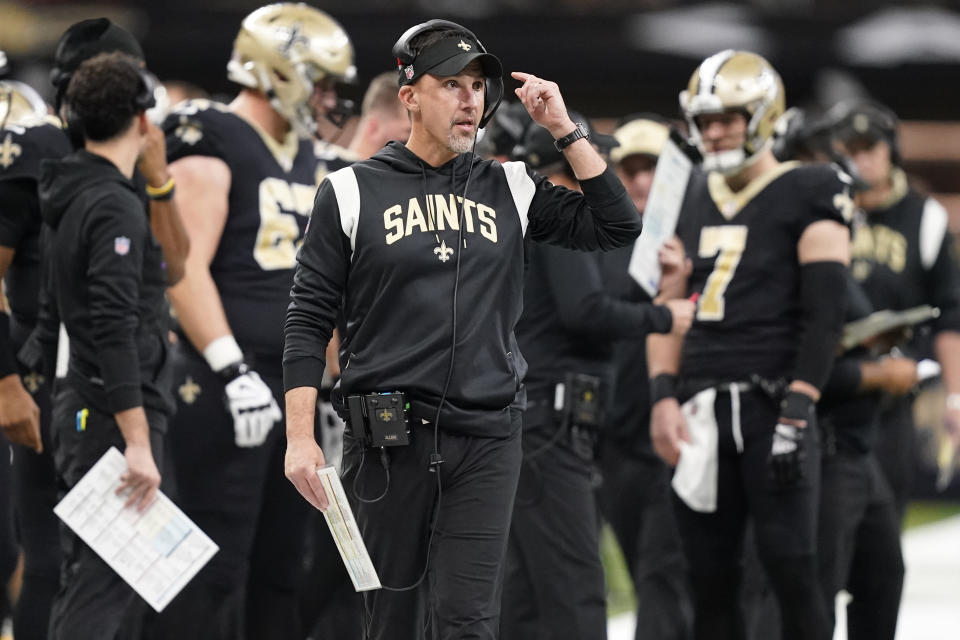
{"x":145,"y":98}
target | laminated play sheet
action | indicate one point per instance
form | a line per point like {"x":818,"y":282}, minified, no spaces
{"x":156,"y":551}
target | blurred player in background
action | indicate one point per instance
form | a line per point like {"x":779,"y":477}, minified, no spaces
{"x":903,"y":256}
{"x":635,"y":494}
{"x":769,"y":248}
{"x":247,"y":173}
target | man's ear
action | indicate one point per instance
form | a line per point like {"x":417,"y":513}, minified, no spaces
{"x":143,"y":123}
{"x":409,"y":98}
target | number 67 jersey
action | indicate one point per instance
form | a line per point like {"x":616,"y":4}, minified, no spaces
{"x":271,"y":197}
{"x":744,"y":251}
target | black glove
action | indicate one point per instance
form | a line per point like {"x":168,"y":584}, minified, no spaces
{"x":787,"y":454}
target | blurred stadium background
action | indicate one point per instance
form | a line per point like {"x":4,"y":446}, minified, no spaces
{"x":614,"y":57}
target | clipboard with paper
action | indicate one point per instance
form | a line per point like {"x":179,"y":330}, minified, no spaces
{"x":346,"y":533}
{"x":883,"y":321}
{"x":156,"y":551}
{"x":660,"y":215}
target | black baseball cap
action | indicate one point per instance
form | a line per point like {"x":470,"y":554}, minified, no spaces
{"x":84,"y":40}
{"x":448,"y":57}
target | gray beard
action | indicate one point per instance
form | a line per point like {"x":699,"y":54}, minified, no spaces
{"x":460,"y":144}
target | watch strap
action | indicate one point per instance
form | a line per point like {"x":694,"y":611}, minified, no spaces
{"x":570,"y":138}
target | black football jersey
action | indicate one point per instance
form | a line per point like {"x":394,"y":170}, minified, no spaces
{"x":903,"y":256}
{"x":21,"y":150}
{"x":271,"y":198}
{"x":745,"y":271}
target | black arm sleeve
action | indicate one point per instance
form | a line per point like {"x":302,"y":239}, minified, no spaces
{"x":845,"y":378}
{"x":822,"y":291}
{"x":576,"y":286}
{"x":602,"y":217}
{"x":115,"y":234}
{"x":318,"y":284}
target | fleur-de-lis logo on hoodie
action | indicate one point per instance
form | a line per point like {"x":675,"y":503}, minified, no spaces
{"x":443,"y":251}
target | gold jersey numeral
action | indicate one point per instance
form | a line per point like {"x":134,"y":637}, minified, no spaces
{"x":727,"y":243}
{"x":278,"y":237}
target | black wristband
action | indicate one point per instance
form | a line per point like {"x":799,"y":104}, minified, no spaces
{"x":232,"y":371}
{"x":8,"y":363}
{"x":662,"y":385}
{"x":797,"y":406}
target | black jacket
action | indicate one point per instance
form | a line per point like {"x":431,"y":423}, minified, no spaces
{"x":574,"y":313}
{"x":388,"y":248}
{"x":107,"y":271}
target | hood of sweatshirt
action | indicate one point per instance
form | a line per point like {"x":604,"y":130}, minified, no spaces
{"x":61,"y":181}
{"x":400,"y":158}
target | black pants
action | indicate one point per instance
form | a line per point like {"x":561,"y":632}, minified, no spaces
{"x":329,"y":605}
{"x":760,"y":609}
{"x":93,"y":600}
{"x":35,"y":495}
{"x":554,"y":587}
{"x":241,"y":499}
{"x":635,"y":500}
{"x":895,"y":449}
{"x":785,"y":521}
{"x":460,"y":596}
{"x":860,"y":545}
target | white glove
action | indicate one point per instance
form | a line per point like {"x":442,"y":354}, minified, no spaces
{"x":253,"y":408}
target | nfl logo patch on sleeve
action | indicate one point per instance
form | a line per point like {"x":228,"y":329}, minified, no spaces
{"x":121,"y":245}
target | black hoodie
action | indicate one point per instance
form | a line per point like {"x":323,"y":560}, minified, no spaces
{"x":107,"y":272}
{"x":383,"y":244}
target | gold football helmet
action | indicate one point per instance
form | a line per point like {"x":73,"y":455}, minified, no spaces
{"x":20,"y":105}
{"x":735,"y":81}
{"x":283,"y":50}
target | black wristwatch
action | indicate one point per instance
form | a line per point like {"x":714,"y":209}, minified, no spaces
{"x":570,"y":138}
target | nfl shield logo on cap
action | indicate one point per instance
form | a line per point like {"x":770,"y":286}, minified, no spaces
{"x":408,"y":71}
{"x":121,"y":245}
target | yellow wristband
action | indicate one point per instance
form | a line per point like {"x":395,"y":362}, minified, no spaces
{"x":159,"y":192}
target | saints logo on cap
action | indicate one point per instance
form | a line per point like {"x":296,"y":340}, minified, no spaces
{"x":861,"y":123}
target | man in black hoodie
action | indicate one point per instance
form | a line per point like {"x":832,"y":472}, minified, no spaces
{"x":572,"y":319}
{"x":431,"y":292}
{"x":109,"y":284}
{"x":33,"y":138}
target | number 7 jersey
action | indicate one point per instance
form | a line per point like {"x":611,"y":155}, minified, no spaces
{"x":743,"y":247}
{"x":271,"y":198}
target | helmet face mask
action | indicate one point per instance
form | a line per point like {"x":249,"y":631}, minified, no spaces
{"x":735,"y":81}
{"x":284,"y":50}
